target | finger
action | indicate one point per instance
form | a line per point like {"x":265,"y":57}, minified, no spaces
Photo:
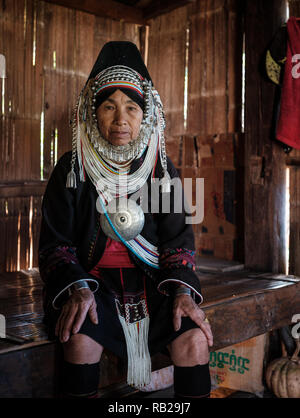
{"x":208,"y":333}
{"x":59,"y":322}
{"x":57,"y":325}
{"x":66,"y":323}
{"x":80,"y":317}
{"x":93,"y":313}
{"x":195,"y":314}
{"x":176,"y":320}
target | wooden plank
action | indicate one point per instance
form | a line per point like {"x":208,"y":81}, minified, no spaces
{"x":225,"y":289}
{"x":22,"y":189}
{"x":265,"y":205}
{"x":294,"y":160}
{"x":294,"y":7}
{"x":48,"y":61}
{"x":234,"y":64}
{"x":3,"y":227}
{"x":294,"y":259}
{"x":258,"y":314}
{"x":25,"y":382}
{"x":166,"y":64}
{"x":207,"y":99}
{"x":262,"y":305}
{"x":157,"y":7}
{"x":108,"y":8}
{"x":20,"y":218}
{"x":36,"y":226}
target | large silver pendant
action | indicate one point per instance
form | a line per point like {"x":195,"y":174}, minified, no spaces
{"x":126,"y":216}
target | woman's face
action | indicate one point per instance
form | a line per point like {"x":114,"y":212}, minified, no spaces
{"x":119,"y":118}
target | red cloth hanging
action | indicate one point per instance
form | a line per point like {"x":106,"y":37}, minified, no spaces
{"x":288,"y":127}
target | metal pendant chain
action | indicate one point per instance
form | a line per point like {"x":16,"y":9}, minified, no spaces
{"x":105,"y":179}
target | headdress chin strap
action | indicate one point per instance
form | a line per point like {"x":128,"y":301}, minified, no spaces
{"x":86,"y":134}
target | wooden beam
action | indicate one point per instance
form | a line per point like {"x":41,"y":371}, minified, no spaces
{"x":22,"y":189}
{"x":159,"y":7}
{"x":119,"y":11}
{"x":293,"y":161}
{"x":238,"y":305}
{"x":265,"y":160}
{"x":105,"y":8}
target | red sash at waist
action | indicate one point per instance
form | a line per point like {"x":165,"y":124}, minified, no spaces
{"x":115,"y":255}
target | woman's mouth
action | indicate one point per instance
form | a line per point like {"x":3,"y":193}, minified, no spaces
{"x":120,"y":134}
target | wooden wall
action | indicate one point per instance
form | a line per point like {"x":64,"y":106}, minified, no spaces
{"x":268,"y":246}
{"x":49,"y":53}
{"x":204,"y":43}
{"x":195,"y":60}
{"x":293,"y":161}
{"x":265,"y":176}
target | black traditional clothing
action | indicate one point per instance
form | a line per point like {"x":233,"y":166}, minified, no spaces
{"x":72,"y":243}
{"x":134,"y":303}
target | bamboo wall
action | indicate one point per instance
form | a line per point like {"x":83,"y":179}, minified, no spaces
{"x":49,"y":53}
{"x":195,"y":60}
{"x":294,"y":259}
{"x":195,"y":54}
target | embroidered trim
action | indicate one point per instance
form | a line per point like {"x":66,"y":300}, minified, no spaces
{"x":50,"y":260}
{"x":178,"y":281}
{"x":178,"y":257}
{"x":93,"y":241}
{"x":68,"y":287}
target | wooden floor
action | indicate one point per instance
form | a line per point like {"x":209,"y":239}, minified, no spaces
{"x":239,"y":305}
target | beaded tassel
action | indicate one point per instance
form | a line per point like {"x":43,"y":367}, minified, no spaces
{"x":165,"y":182}
{"x":71,"y":177}
{"x":71,"y":180}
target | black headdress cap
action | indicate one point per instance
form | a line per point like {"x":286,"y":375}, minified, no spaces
{"x":120,"y":53}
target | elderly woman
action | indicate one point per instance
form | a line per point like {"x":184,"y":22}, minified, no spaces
{"x":116,"y":276}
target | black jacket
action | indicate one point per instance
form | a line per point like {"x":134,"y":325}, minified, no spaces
{"x":72,"y":242}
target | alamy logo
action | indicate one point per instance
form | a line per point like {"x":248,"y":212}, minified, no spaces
{"x":2,"y":326}
{"x":152,"y":201}
{"x":296,"y":68}
{"x":296,"y":328}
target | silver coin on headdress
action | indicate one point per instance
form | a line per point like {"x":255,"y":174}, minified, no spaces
{"x":126,"y":216}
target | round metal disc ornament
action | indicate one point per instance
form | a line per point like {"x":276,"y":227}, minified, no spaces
{"x":126,"y":216}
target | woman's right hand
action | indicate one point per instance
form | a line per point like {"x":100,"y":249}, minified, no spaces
{"x":74,"y":313}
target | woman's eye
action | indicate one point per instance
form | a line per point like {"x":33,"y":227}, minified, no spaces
{"x":109,"y":107}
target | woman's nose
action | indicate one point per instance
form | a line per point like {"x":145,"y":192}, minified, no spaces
{"x":120,"y":117}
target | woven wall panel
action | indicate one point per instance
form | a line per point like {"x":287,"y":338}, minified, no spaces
{"x":49,"y":52}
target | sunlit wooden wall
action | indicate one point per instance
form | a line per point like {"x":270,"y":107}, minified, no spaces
{"x":194,"y":55}
{"x":49,"y":53}
{"x":195,"y":59}
{"x":294,"y":166}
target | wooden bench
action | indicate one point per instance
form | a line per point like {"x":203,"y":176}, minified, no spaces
{"x":239,"y":305}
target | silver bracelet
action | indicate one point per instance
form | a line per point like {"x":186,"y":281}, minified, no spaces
{"x":183,"y":291}
{"x":80,"y":284}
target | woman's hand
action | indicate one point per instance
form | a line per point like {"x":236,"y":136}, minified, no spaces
{"x":74,"y":313}
{"x":184,"y":305}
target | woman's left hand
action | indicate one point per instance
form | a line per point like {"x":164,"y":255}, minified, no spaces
{"x":184,"y":305}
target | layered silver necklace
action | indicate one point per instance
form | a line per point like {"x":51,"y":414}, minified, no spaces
{"x":92,"y":149}
{"x":104,"y":165}
{"x":103,"y":162}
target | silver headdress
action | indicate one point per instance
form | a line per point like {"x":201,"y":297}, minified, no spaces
{"x":88,"y":143}
{"x":102,"y":162}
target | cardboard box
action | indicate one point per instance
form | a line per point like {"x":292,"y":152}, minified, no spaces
{"x":240,"y":366}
